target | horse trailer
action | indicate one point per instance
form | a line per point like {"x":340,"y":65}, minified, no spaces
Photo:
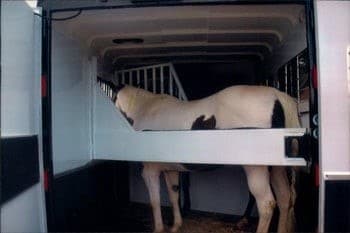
{"x":71,"y":158}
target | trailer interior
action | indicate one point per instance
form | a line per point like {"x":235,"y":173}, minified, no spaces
{"x":94,"y":159}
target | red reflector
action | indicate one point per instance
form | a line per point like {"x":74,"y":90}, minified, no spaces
{"x":314,"y":77}
{"x":43,"y":86}
{"x":317,"y":175}
{"x":46,"y":180}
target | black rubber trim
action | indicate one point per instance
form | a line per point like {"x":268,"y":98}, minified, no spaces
{"x":176,"y":3}
{"x":337,"y":206}
{"x":20,"y":165}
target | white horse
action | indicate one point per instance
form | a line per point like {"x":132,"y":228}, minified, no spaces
{"x":233,"y":107}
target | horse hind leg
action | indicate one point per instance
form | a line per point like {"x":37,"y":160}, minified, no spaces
{"x":285,"y":199}
{"x":151,"y":175}
{"x":259,"y":185}
{"x":172,"y":181}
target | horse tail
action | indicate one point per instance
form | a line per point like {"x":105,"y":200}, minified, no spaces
{"x":293,"y":196}
{"x":290,"y":109}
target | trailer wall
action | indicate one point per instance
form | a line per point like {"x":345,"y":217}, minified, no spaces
{"x":71,"y":104}
{"x":21,"y":109}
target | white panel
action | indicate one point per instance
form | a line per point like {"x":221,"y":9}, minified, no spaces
{"x":116,"y":140}
{"x":71,"y":104}
{"x":332,"y":40}
{"x":18,"y":80}
{"x":22,"y":214}
{"x":254,"y":147}
{"x":21,"y":105}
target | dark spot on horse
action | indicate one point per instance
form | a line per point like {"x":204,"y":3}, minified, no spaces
{"x":175,"y":188}
{"x":129,"y":119}
{"x":200,"y":123}
{"x":278,"y":118}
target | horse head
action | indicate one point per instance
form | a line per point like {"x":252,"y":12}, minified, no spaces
{"x":128,"y":100}
{"x":116,"y":89}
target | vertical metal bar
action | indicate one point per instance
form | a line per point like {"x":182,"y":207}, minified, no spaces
{"x":116,"y":80}
{"x":154,"y":79}
{"x":145,"y":78}
{"x":161,"y":80}
{"x":170,"y":82}
{"x":138,"y":77}
{"x":130,"y":78}
{"x":123,"y":77}
{"x":286,"y":78}
{"x":47,"y":114}
{"x":298,"y":84}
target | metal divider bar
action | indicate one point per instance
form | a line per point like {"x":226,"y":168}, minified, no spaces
{"x":154,"y":79}
{"x":151,"y":76}
{"x":298,"y":84}
{"x":123,"y":77}
{"x":138,"y":77}
{"x":286,"y":78}
{"x":145,"y":79}
{"x":130,"y":78}
{"x":161,"y":80}
{"x":170,"y":83}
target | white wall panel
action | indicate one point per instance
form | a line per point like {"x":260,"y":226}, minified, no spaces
{"x":20,"y":105}
{"x":332,"y":40}
{"x":23,"y":213}
{"x":71,"y":103}
{"x":18,"y":79}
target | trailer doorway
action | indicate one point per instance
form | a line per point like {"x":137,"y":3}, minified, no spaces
{"x":262,"y":39}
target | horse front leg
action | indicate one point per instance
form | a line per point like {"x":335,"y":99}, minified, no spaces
{"x":151,"y":175}
{"x":172,"y":181}
{"x":259,"y":185}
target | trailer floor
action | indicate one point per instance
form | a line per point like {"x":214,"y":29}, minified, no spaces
{"x":138,"y":218}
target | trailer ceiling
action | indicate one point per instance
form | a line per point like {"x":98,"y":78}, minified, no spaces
{"x":227,"y":32}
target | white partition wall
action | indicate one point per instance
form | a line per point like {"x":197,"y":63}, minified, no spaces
{"x":114,"y":139}
{"x":71,"y":104}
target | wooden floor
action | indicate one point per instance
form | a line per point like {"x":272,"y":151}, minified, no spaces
{"x":138,"y":218}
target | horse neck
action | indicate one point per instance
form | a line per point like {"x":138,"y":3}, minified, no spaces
{"x":138,"y":99}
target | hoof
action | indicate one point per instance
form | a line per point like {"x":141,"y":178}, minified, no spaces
{"x":242,"y":224}
{"x":159,"y":230}
{"x":175,"y":228}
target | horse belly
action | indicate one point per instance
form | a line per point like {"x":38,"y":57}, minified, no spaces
{"x":191,"y":167}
